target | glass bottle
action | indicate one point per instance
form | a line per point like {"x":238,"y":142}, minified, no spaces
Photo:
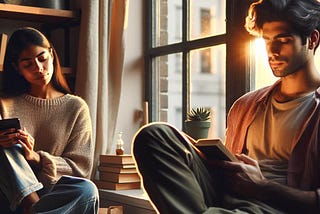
{"x":119,"y":150}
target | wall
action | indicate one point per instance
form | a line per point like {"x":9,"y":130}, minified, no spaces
{"x":129,"y":117}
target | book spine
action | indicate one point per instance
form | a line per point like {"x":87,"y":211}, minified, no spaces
{"x":117,"y":170}
{"x":116,"y":159}
{"x":119,"y":178}
{"x":116,"y":186}
{"x":129,"y":165}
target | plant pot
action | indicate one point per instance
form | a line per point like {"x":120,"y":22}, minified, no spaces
{"x":197,"y":129}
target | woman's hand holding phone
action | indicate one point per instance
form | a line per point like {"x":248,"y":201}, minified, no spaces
{"x":11,"y":134}
{"x":8,"y":137}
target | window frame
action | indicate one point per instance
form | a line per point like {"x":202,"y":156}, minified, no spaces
{"x":237,"y":60}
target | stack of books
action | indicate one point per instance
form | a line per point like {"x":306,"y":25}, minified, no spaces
{"x":117,"y":172}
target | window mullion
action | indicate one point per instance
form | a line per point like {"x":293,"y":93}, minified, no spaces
{"x":185,"y":61}
{"x":149,"y":70}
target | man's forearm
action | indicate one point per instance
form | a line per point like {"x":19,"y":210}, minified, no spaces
{"x":290,"y":199}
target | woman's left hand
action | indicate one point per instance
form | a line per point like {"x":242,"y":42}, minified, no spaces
{"x":27,"y":143}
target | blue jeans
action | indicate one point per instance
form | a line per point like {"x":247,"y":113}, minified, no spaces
{"x":17,"y":180}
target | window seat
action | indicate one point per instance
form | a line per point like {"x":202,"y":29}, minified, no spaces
{"x":134,"y":201}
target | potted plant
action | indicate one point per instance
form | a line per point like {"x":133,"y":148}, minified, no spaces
{"x":198,"y":122}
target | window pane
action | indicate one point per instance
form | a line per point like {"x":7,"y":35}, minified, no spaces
{"x":169,"y":89}
{"x":168,"y":22}
{"x":207,"y":18}
{"x":208,"y":69}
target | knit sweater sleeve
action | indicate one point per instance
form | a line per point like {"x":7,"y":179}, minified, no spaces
{"x":77,"y":156}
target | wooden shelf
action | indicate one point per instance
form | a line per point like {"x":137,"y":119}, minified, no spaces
{"x":37,"y":14}
{"x":68,"y":71}
{"x":65,"y":70}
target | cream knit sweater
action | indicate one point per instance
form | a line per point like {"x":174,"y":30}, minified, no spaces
{"x":62,"y":131}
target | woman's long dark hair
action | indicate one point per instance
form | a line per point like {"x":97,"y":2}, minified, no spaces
{"x":15,"y":84}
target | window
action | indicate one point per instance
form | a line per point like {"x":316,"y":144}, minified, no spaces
{"x":186,"y":59}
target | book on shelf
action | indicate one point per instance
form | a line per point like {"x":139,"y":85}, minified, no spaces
{"x":119,"y":178}
{"x":213,"y":149}
{"x":117,"y":168}
{"x":116,"y":159}
{"x":117,"y":186}
{"x":3,"y":46}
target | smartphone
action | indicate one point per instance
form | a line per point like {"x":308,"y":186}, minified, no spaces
{"x":10,"y":123}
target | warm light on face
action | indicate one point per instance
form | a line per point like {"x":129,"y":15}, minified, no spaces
{"x":260,"y":49}
{"x":263,"y":73}
{"x":35,"y":64}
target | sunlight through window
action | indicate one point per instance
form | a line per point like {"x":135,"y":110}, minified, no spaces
{"x":263,"y":74}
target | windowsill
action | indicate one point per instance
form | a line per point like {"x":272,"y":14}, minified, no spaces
{"x":133,"y":201}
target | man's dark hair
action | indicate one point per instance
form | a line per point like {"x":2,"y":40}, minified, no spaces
{"x":302,"y":15}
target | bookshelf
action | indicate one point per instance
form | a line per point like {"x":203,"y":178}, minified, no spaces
{"x":38,"y":14}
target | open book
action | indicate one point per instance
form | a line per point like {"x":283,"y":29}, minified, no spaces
{"x":213,"y":149}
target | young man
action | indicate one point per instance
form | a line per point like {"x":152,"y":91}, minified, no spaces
{"x":275,"y":130}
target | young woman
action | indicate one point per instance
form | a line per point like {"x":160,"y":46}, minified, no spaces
{"x":45,"y":164}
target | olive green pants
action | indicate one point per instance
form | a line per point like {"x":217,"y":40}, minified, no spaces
{"x":176,"y":178}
